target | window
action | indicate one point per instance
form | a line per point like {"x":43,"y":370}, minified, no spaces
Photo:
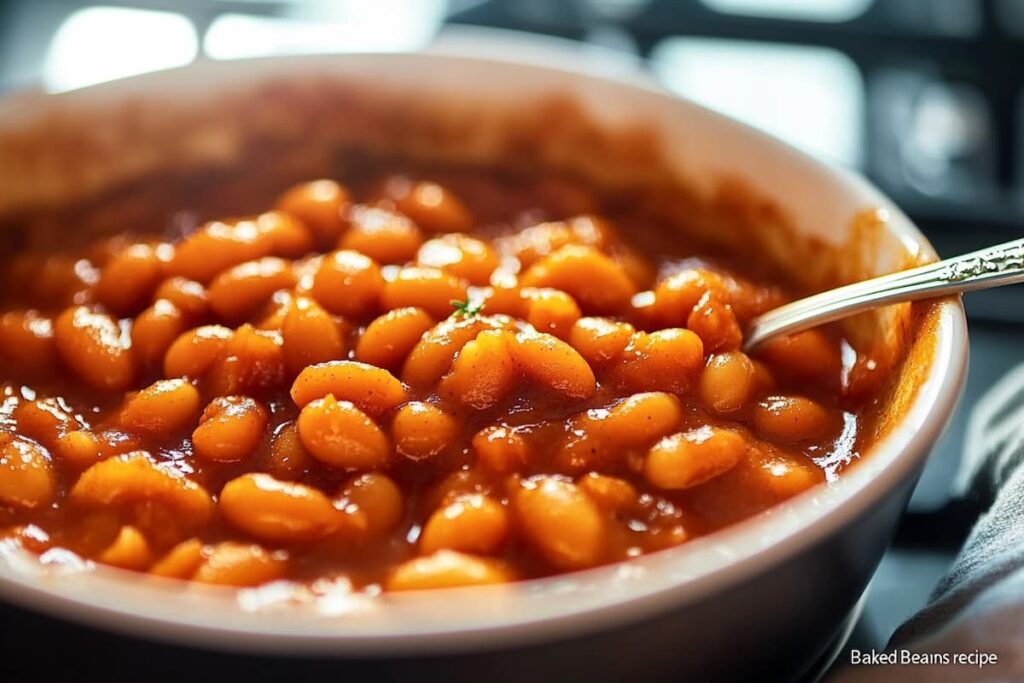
{"x":99,"y":44}
{"x":814,"y":10}
{"x":811,"y":97}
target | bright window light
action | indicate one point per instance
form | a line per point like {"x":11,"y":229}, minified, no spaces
{"x":99,"y":44}
{"x":811,"y":10}
{"x":383,"y":26}
{"x":811,"y":97}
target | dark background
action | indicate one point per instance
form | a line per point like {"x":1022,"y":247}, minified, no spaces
{"x":922,"y":96}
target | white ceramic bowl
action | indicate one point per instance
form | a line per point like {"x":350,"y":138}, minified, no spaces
{"x":765,"y":594}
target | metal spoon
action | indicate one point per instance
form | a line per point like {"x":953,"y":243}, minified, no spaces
{"x":995,"y":266}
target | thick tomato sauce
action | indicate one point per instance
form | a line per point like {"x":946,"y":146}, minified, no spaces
{"x":406,"y":378}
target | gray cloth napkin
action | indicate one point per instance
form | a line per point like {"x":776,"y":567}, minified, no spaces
{"x":977,"y":609}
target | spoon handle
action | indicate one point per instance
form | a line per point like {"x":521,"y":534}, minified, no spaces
{"x":995,"y":266}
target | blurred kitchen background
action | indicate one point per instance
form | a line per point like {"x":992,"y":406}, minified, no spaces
{"x":926,"y":97}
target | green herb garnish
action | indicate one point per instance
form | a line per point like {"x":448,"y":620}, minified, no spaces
{"x":467,"y":308}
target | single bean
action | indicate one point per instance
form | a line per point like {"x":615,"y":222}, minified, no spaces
{"x":472,"y":524}
{"x":611,"y":494}
{"x":373,"y":389}
{"x":27,"y":479}
{"x":252,"y":363}
{"x":463,"y":256}
{"x":447,"y":569}
{"x":687,"y":459}
{"x":560,"y":522}
{"x":130,"y":550}
{"x":181,"y":561}
{"x":484,"y":372}
{"x":339,"y":434}
{"x":431,"y":289}
{"x":321,"y":206}
{"x":791,"y":419}
{"x":240,"y":564}
{"x":277,"y":511}
{"x":600,"y":340}
{"x":230,"y":429}
{"x":310,"y":335}
{"x":808,"y":356}
{"x":128,"y":279}
{"x":383,"y":235}
{"x":288,"y":236}
{"x":287,"y":459}
{"x":348,"y":283}
{"x":421,"y":431}
{"x":551,"y":311}
{"x":714,"y":322}
{"x":389,"y":339}
{"x":26,"y":342}
{"x":373,"y":503}
{"x":154,"y":330}
{"x":161,"y":409}
{"x":554,"y":364}
{"x":238,"y":291}
{"x":193,"y":353}
{"x":433,"y":207}
{"x":95,"y":347}
{"x":728,"y":382}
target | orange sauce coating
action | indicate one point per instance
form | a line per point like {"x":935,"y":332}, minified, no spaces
{"x":421,"y":379}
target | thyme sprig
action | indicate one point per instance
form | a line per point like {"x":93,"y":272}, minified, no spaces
{"x":467,"y":308}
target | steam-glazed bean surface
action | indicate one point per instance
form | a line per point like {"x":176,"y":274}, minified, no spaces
{"x":406,"y":378}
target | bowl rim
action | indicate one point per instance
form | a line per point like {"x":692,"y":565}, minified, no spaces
{"x":532,"y":611}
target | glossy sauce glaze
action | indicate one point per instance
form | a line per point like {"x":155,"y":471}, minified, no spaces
{"x":411,"y":378}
